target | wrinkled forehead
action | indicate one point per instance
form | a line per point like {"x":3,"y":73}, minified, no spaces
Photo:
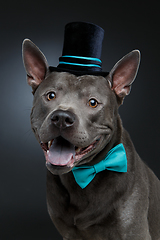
{"x":67,"y":82}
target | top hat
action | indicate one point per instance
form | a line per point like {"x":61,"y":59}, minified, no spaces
{"x":81,"y":50}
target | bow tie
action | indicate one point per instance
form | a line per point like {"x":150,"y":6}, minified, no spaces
{"x":115,"y":160}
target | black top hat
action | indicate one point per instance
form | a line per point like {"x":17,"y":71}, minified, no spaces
{"x":81,"y":50}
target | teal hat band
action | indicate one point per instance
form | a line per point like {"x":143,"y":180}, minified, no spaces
{"x":80,"y":61}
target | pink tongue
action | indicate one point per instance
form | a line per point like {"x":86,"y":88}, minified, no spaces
{"x":61,"y":152}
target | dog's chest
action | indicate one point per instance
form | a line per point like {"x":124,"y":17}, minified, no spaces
{"x":78,"y":199}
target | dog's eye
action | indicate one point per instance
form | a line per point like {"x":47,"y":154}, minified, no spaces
{"x":51,"y":96}
{"x":93,"y":103}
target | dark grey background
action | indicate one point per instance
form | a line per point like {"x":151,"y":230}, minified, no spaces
{"x":128,"y":25}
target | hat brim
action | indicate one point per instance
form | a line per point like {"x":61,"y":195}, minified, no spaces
{"x":78,"y":73}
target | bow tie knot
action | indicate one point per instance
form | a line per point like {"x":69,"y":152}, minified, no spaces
{"x":99,"y":167}
{"x":115,"y":160}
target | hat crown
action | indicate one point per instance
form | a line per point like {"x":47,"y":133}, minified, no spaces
{"x":82,"y":49}
{"x":83,"y":39}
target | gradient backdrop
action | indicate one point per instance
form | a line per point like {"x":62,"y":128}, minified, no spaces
{"x":128,"y":25}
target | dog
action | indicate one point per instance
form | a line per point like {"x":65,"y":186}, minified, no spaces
{"x":76,"y":121}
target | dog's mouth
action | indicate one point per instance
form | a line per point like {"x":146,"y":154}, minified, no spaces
{"x":60,"y":152}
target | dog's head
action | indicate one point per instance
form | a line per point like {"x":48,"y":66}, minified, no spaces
{"x":75,"y":117}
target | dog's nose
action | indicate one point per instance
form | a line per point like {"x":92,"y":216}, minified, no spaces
{"x":63,"y":119}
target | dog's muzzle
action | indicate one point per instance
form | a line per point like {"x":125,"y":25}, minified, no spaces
{"x":59,"y":151}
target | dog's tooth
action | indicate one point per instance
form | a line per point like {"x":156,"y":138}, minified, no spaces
{"x":49,"y":144}
{"x":78,"y":150}
{"x":47,"y":151}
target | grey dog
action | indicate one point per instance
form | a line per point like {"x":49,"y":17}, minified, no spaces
{"x":75,"y":119}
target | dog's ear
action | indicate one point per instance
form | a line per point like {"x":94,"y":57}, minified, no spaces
{"x":35,"y":63}
{"x":123,"y":74}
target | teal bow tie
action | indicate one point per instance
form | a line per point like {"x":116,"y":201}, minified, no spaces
{"x":115,"y":160}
